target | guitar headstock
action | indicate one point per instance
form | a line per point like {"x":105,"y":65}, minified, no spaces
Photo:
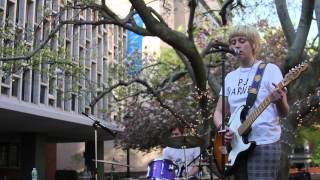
{"x":294,"y":73}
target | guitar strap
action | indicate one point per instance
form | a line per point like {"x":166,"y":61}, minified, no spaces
{"x":253,"y":90}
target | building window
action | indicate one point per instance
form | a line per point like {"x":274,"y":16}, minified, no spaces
{"x":9,"y":155}
{"x":73,"y":102}
{"x":51,"y":102}
{"x":52,"y":85}
{"x":42,"y":94}
{"x":59,"y":98}
{"x":15,"y":87}
{"x":5,"y":90}
{"x":87,"y":110}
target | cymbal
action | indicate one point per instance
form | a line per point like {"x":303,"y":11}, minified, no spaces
{"x":184,"y":141}
{"x":112,"y":162}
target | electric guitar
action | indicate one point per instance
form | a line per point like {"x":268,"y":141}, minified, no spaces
{"x":238,"y":146}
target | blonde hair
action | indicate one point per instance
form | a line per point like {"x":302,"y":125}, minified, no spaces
{"x":250,"y":33}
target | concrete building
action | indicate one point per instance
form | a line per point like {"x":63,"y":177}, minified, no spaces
{"x":41,"y":103}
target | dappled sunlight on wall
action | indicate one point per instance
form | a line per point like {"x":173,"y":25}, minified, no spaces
{"x":70,"y":156}
{"x":138,"y":160}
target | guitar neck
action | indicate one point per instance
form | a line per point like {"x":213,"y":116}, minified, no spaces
{"x":245,"y":126}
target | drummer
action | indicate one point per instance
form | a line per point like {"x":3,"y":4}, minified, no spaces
{"x":177,"y":155}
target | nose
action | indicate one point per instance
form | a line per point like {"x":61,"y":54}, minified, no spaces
{"x":237,"y":45}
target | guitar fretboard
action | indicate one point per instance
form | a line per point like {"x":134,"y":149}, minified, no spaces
{"x":253,"y":116}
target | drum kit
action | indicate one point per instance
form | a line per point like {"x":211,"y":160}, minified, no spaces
{"x":166,"y":169}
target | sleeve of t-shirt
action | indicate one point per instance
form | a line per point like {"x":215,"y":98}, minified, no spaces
{"x":272,"y":74}
{"x":197,"y":152}
{"x":166,"y":154}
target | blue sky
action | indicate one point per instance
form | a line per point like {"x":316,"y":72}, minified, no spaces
{"x":265,"y":9}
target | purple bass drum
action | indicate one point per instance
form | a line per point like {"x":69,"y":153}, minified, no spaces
{"x":161,"y":169}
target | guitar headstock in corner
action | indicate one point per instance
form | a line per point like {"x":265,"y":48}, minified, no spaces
{"x":293,"y":74}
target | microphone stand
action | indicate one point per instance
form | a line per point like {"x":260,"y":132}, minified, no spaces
{"x":223,"y":148}
{"x":95,"y":125}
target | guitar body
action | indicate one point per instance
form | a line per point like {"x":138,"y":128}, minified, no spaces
{"x":236,"y":149}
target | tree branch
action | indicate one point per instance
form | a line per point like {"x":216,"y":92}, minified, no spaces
{"x":174,"y":77}
{"x":223,"y":13}
{"x":161,"y":20}
{"x":32,"y":53}
{"x":285,"y":21}
{"x":178,"y":40}
{"x":214,"y":84}
{"x":297,"y":47}
{"x":135,"y":29}
{"x":150,"y":90}
{"x":186,"y":62}
{"x":192,"y":6}
{"x":113,"y":18}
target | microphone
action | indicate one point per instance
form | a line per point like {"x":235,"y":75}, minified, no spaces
{"x":97,"y":123}
{"x":233,"y":51}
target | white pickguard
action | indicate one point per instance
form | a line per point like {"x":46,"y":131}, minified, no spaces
{"x":237,"y":143}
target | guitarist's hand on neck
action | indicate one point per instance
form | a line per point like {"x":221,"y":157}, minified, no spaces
{"x":279,"y":98}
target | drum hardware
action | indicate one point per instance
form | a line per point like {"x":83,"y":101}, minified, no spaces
{"x":209,"y":163}
{"x":112,"y":163}
{"x":185,"y":162}
{"x":184,"y":142}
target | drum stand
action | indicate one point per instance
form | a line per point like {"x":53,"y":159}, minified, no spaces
{"x":185,"y":162}
{"x":210,"y":161}
{"x":95,"y":149}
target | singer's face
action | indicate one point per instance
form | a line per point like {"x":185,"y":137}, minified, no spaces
{"x":246,"y":51}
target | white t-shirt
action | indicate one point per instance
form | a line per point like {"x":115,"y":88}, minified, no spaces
{"x":266,"y":129}
{"x":177,"y":155}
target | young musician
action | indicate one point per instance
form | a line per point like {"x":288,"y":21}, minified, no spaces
{"x":177,"y":155}
{"x":263,"y":162}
